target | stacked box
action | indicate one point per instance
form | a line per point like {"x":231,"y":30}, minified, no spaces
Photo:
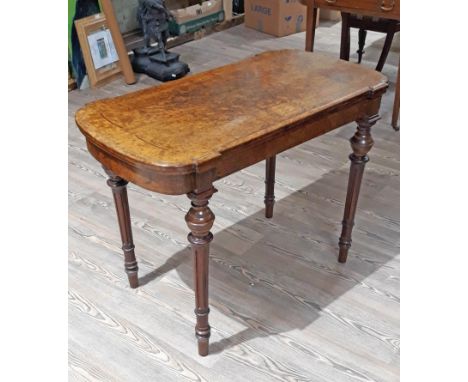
{"x":276,"y":17}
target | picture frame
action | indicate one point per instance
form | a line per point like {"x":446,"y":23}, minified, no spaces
{"x":99,"y":54}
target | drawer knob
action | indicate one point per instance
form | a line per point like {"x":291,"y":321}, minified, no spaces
{"x":331,"y":1}
{"x":385,"y":7}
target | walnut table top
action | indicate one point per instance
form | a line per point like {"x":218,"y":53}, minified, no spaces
{"x":200,"y":122}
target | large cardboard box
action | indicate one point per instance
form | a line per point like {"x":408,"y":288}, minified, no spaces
{"x":190,"y":18}
{"x":276,"y":17}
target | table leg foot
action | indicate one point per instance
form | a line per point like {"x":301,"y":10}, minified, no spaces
{"x":270,"y":169}
{"x":203,"y":334}
{"x":133,"y":279}
{"x":361,"y":143}
{"x":119,"y":191}
{"x":200,"y":219}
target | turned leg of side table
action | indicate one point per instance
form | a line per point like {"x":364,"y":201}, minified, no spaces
{"x":200,"y":219}
{"x":396,"y":103}
{"x":119,"y":190}
{"x":270,"y":167}
{"x":361,"y":143}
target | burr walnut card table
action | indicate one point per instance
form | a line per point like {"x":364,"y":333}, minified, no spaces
{"x":181,"y":137}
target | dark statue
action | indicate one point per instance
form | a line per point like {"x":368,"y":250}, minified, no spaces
{"x":157,"y":62}
{"x":154,"y":21}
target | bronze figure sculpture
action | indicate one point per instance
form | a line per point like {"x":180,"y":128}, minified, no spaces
{"x":157,"y":62}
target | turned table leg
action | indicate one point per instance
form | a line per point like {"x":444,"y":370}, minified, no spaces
{"x":361,"y":143}
{"x":270,"y":167}
{"x":362,"y":42}
{"x":396,"y":103}
{"x":345,"y":45}
{"x":200,"y":220}
{"x":119,"y":190}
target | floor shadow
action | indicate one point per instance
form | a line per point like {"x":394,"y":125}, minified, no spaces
{"x":172,"y":263}
{"x":276,"y":275}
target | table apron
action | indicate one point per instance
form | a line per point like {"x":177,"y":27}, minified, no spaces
{"x":247,"y":155}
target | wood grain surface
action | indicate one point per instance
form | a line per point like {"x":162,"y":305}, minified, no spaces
{"x":282,"y":308}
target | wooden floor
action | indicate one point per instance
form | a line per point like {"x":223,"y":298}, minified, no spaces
{"x":282,"y":307}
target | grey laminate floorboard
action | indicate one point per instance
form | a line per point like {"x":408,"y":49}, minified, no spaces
{"x":282,"y":307}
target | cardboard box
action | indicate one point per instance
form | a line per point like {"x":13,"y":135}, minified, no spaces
{"x":276,"y":17}
{"x":193,"y":17}
{"x":330,"y":15}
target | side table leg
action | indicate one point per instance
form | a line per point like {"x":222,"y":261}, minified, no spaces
{"x":270,"y":168}
{"x":387,"y":45}
{"x":200,"y":219}
{"x":396,"y":103}
{"x":311,"y":24}
{"x":119,"y":191}
{"x":345,"y":45}
{"x":362,"y":42}
{"x":361,"y":143}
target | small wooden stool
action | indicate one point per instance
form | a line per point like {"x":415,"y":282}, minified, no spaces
{"x":181,"y":137}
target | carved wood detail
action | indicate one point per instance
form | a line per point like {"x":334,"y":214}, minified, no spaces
{"x":200,"y":219}
{"x":361,"y":143}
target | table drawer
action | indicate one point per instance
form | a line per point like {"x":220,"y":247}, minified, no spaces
{"x":382,"y":8}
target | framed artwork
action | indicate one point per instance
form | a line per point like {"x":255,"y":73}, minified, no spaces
{"x":99,"y":53}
